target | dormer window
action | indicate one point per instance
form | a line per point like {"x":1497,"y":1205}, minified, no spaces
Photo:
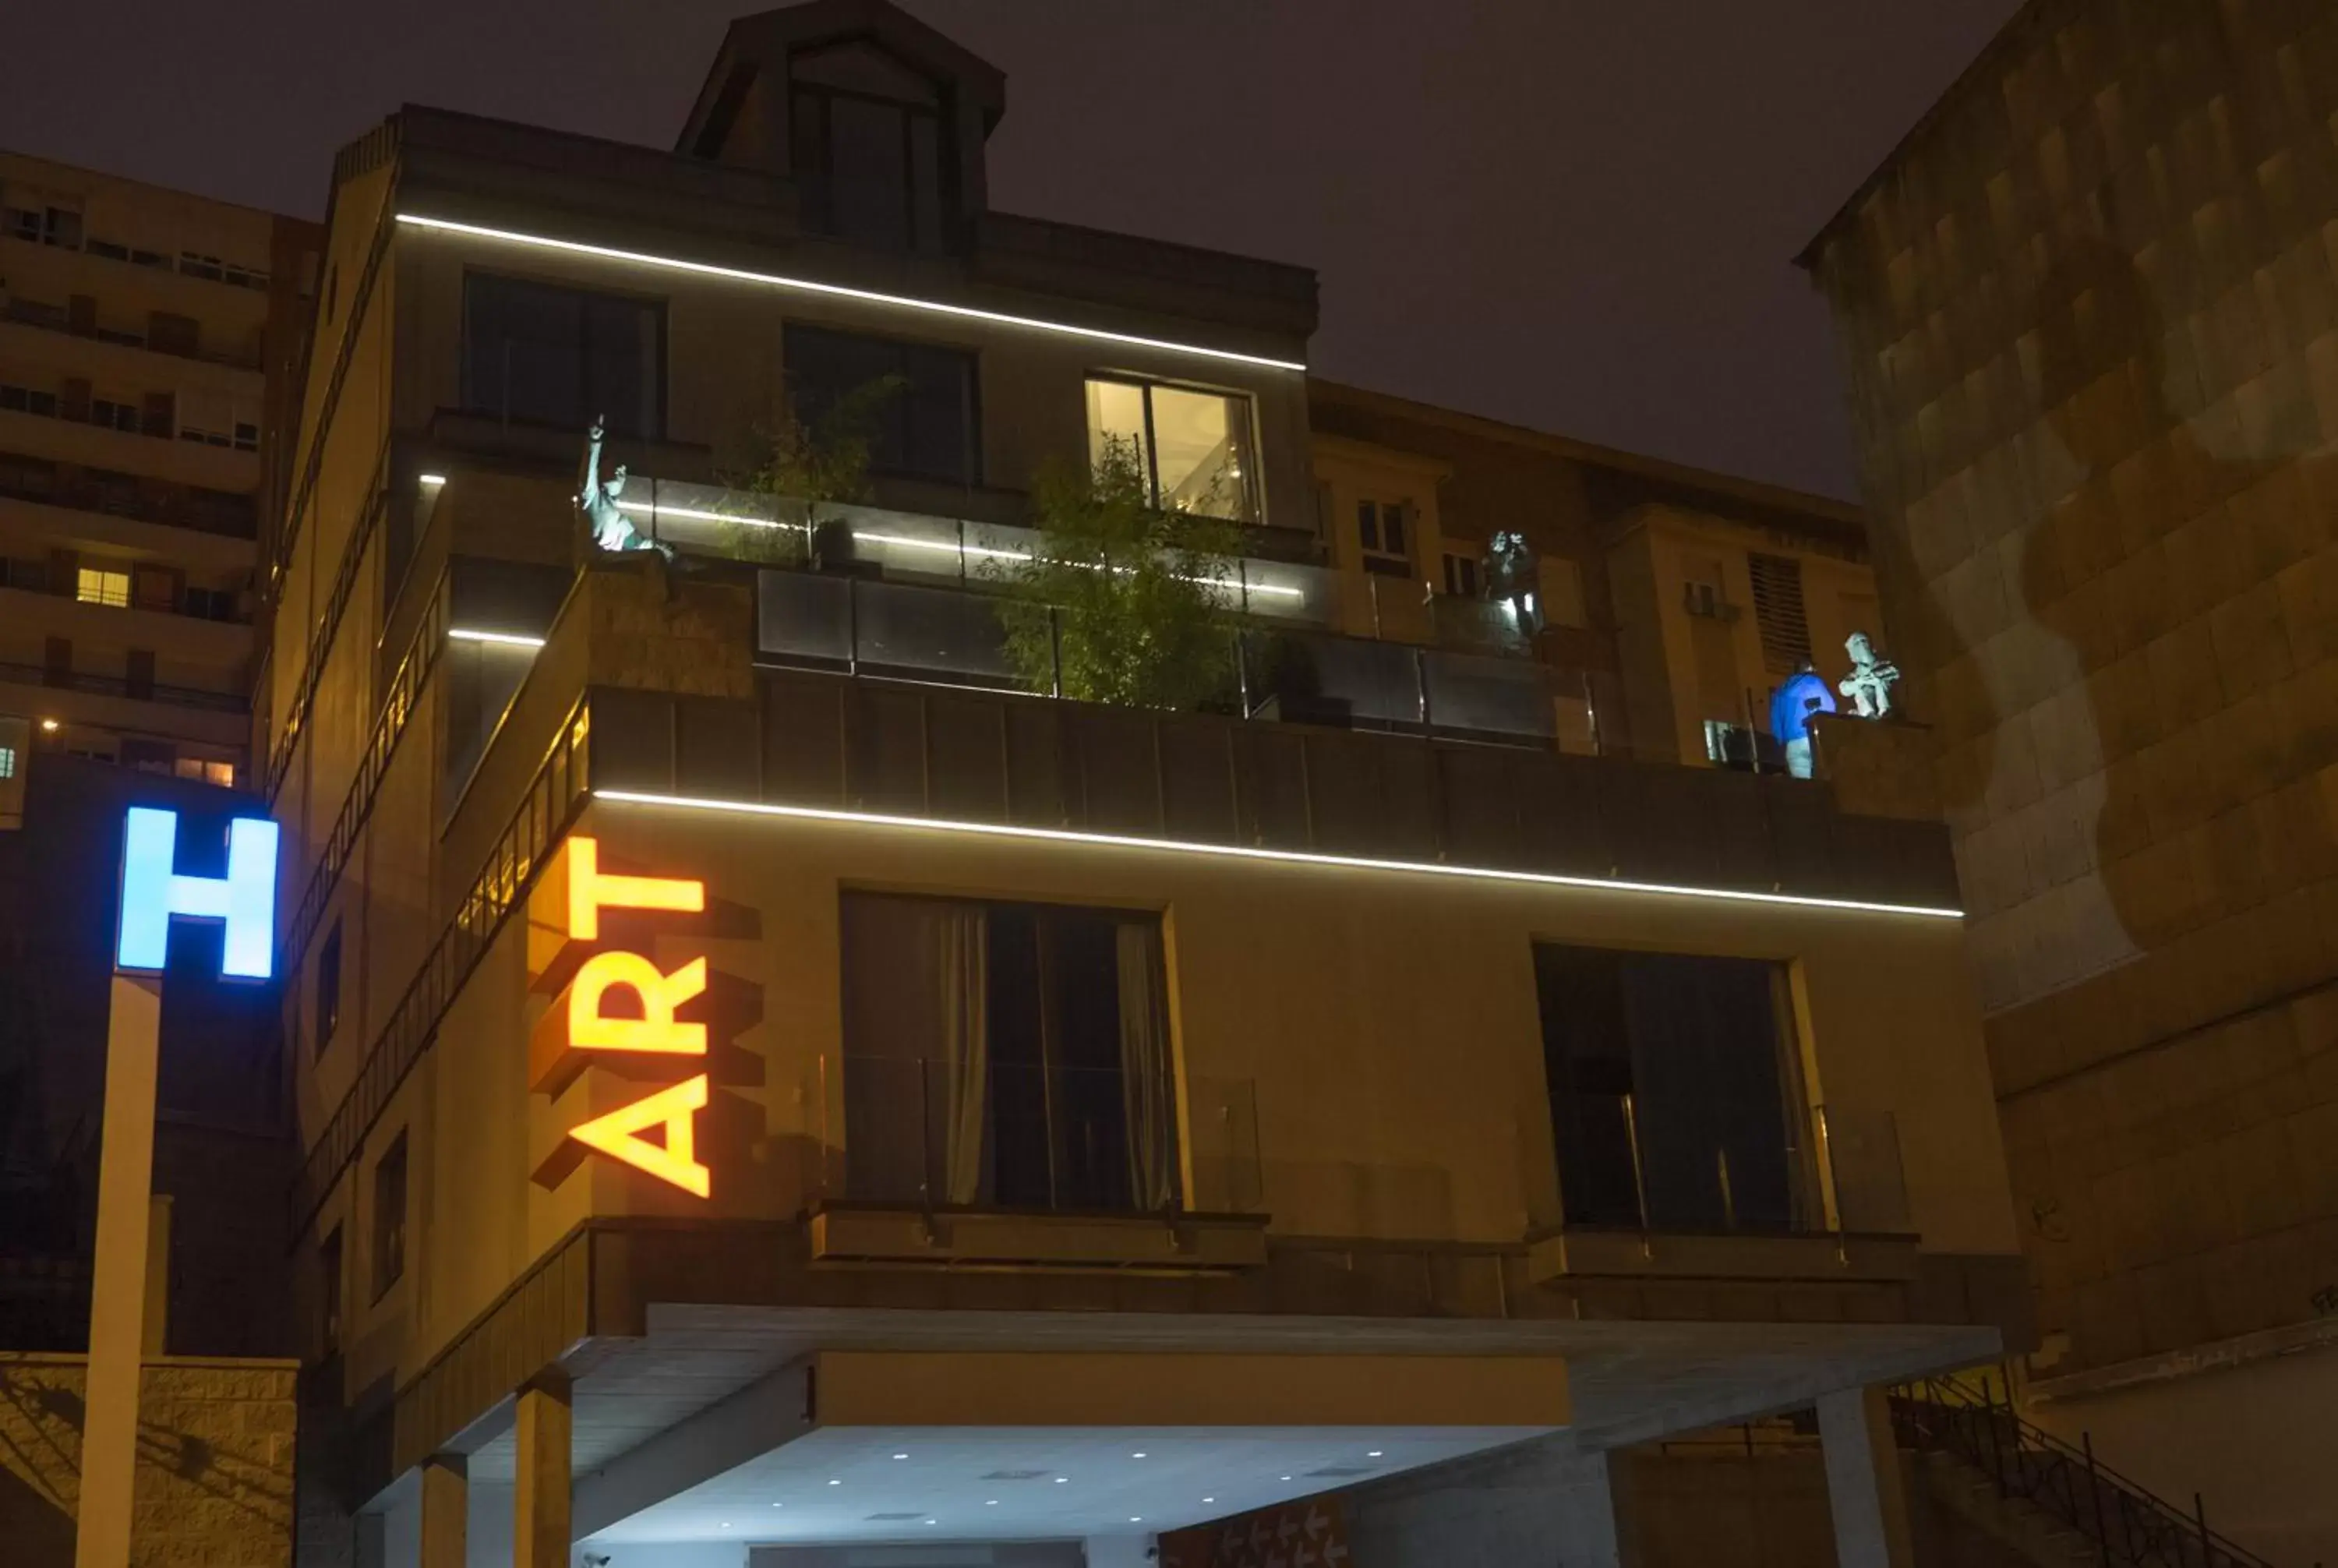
{"x":868,"y":139}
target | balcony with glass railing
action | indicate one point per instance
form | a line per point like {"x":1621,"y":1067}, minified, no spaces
{"x":912,"y":596}
{"x":1823,"y":1198}
{"x":1031,"y":1164}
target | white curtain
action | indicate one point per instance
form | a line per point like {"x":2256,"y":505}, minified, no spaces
{"x":958,"y":1075}
{"x":1150,"y":1096}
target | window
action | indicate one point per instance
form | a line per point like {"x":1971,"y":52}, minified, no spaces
{"x":205,"y":772}
{"x":562,"y":357}
{"x":27,"y":400}
{"x":1007,"y":1055}
{"x":212,"y":603}
{"x":58,"y":226}
{"x":7,"y":761}
{"x":389,"y":1218}
{"x":867,"y":142}
{"x":1193,"y":447}
{"x":1380,"y":532}
{"x":328,"y":987}
{"x":95,"y":585}
{"x":117,"y":415}
{"x":1461,"y":575}
{"x":328,"y":1293}
{"x":1674,"y":1090}
{"x":928,"y":429}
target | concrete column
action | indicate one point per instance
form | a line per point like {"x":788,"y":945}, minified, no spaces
{"x":540,"y":1501}
{"x":1863,"y":1481}
{"x":446,"y":1511}
{"x":117,"y":1329}
{"x":1583,"y":1517}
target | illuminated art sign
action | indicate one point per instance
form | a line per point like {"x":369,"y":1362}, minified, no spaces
{"x":152,"y":894}
{"x":617,"y":1009}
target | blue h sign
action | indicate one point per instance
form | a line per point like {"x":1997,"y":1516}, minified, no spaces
{"x":152,"y":893}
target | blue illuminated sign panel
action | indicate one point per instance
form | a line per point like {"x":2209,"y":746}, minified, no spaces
{"x":152,"y":893}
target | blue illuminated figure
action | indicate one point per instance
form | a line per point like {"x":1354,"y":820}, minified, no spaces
{"x":152,"y":893}
{"x":1805,"y":693}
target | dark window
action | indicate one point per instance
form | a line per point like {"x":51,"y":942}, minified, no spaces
{"x":1674,"y":1090}
{"x":926,"y":429}
{"x":866,"y":146}
{"x":1462,"y":577}
{"x":389,"y":1218}
{"x":328,"y":987}
{"x":562,"y":357}
{"x":1007,"y":1055}
{"x":138,"y":675}
{"x":328,"y":1293}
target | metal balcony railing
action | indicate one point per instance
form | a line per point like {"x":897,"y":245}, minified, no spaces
{"x":2124,"y":1524}
{"x":115,"y":686}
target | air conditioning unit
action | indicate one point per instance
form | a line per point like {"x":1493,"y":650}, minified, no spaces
{"x":1704,"y":599}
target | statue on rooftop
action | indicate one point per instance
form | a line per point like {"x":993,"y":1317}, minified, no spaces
{"x":1511,"y":577}
{"x":1869,"y":684}
{"x":612,"y":529}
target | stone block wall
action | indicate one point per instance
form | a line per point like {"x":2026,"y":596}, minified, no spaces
{"x":2091,"y":314}
{"x":215,"y":1453}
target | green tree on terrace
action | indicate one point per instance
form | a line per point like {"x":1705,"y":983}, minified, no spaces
{"x":1120,"y":600}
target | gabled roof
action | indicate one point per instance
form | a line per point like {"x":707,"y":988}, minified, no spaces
{"x":763,"y":42}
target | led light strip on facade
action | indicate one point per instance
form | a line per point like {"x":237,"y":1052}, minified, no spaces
{"x":507,"y":639}
{"x":1284,"y":856}
{"x":654,"y":510}
{"x":840,"y":291}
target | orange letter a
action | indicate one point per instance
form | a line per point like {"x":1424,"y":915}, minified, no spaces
{"x":617,"y":1136}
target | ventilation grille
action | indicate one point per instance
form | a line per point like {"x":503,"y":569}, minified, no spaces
{"x":897,"y":1518}
{"x":1778,"y":612}
{"x":1015,"y":1475}
{"x":1336,"y":1471}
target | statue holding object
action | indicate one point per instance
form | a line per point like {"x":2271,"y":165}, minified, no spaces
{"x":612,"y":529}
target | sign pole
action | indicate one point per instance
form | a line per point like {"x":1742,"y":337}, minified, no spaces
{"x":117,"y":1307}
{"x":153,"y":894}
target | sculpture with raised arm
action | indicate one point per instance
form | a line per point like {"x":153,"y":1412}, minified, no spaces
{"x":1869,"y":684}
{"x":612,"y":529}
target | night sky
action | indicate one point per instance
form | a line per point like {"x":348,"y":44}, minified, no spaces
{"x":1576,"y":215}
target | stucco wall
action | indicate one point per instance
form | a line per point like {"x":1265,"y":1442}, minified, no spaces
{"x":214,"y":1486}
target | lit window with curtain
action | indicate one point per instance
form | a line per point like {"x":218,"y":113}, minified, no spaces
{"x":1008,"y":1056}
{"x":1192,"y":446}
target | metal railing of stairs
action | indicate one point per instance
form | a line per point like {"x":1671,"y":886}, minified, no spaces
{"x":2124,"y":1524}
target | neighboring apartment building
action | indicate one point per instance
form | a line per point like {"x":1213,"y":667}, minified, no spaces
{"x":772,"y":1081}
{"x":2088,"y":308}
{"x":147,"y":342}
{"x":1668,"y":602}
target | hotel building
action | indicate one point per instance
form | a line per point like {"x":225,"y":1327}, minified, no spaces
{"x":775,"y":1079}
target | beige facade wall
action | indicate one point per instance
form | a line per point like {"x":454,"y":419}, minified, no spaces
{"x":2090,"y":312}
{"x":1399,"y":1100}
{"x":214,"y":1480}
{"x":1682,"y":669}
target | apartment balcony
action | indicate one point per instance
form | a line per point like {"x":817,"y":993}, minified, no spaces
{"x":1827,"y":1200}
{"x":57,"y":439}
{"x":124,"y":518}
{"x":917,"y":597}
{"x":62,"y":321}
